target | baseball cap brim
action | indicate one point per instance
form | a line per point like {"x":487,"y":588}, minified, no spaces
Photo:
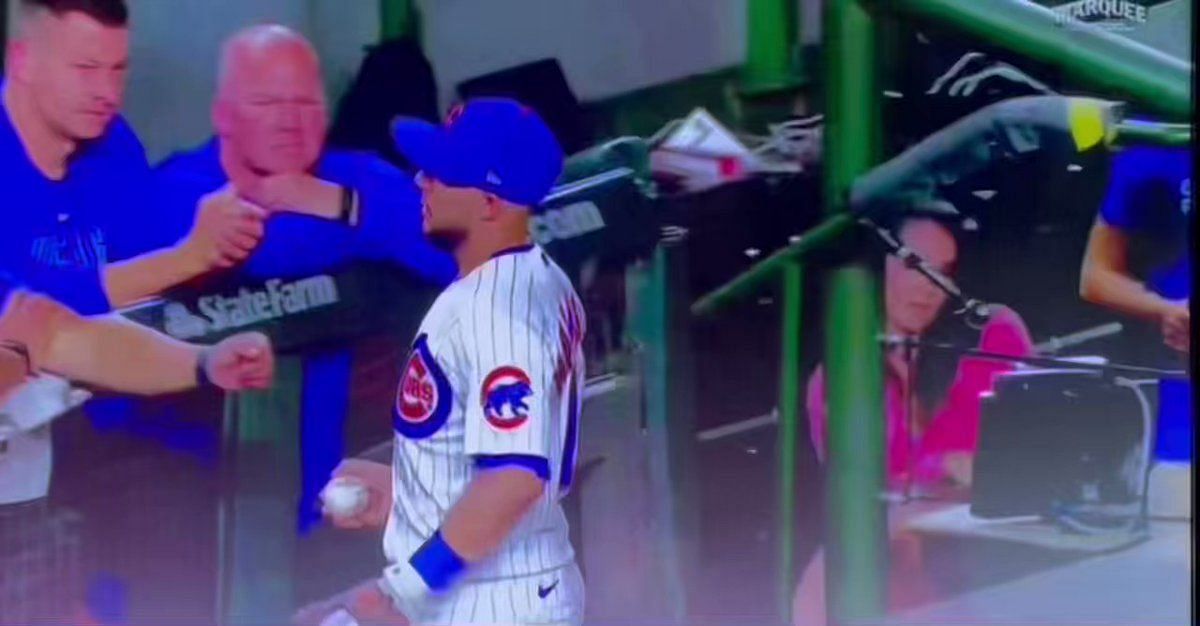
{"x":425,"y":145}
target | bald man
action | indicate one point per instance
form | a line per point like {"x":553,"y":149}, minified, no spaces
{"x":329,"y":208}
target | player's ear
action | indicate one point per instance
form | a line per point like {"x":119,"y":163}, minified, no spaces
{"x":492,"y":206}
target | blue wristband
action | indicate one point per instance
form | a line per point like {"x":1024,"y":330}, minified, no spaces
{"x":437,"y":563}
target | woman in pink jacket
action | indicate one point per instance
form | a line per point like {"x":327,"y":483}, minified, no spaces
{"x":934,"y":448}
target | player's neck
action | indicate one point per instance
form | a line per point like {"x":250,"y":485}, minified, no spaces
{"x":484,"y":244}
{"x":47,"y":149}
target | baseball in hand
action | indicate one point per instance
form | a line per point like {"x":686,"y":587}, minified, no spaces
{"x":344,"y":497}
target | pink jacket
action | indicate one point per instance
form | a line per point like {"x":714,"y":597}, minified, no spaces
{"x":955,"y":425}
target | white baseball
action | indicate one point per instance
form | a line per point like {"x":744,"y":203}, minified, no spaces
{"x":344,"y":497}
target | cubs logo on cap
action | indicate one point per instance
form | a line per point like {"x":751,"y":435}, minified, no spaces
{"x":505,"y":395}
{"x":423,"y":397}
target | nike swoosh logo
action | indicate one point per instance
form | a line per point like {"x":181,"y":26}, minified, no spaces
{"x":545,"y":591}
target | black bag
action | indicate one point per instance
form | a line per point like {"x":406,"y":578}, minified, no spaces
{"x":395,"y":80}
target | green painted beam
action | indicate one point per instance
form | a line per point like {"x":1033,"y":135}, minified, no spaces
{"x":817,"y":238}
{"x":397,"y":19}
{"x":1104,"y":60}
{"x":789,"y":403}
{"x":856,"y":554}
{"x":1137,"y":132}
{"x":256,"y":579}
{"x":659,"y":329}
{"x":855,"y":541}
{"x":772,"y":59}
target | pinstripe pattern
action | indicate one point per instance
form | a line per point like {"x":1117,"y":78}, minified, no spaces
{"x":512,"y":312}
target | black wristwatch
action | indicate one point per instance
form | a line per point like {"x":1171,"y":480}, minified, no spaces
{"x":348,"y":214}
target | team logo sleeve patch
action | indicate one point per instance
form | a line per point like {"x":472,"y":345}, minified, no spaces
{"x":505,"y":396}
{"x":423,"y":398}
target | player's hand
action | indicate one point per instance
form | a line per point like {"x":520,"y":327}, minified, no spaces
{"x":377,"y":478}
{"x":296,"y":193}
{"x":226,"y":231}
{"x":1176,"y":322}
{"x":243,"y":361}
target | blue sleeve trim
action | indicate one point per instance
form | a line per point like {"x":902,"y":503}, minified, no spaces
{"x":437,"y":563}
{"x":536,"y":464}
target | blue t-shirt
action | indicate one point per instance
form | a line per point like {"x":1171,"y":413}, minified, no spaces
{"x":1150,"y":194}
{"x":299,"y":245}
{"x":57,"y":234}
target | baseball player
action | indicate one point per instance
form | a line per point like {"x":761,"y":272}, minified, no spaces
{"x":487,"y":410}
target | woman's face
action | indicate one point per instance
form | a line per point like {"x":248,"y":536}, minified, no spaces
{"x":913,"y":301}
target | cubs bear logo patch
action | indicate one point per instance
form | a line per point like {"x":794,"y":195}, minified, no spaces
{"x":505,"y":395}
{"x":423,"y":396}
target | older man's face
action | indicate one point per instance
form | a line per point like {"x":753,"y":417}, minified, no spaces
{"x":273,"y":111}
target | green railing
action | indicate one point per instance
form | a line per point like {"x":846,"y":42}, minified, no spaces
{"x":856,"y":542}
{"x":773,"y":61}
{"x":398,"y":18}
{"x":1173,"y":135}
{"x":1106,"y":61}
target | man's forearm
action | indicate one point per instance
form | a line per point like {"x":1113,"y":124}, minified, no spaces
{"x":492,"y":506}
{"x":148,"y":275}
{"x":1122,"y":293}
{"x":476,"y":526}
{"x":116,"y":354}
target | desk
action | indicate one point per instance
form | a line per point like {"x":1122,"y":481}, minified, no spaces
{"x":990,"y":580}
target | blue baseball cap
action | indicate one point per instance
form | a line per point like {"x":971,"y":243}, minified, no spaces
{"x":496,"y":145}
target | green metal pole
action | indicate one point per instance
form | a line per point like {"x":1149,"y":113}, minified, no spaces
{"x":856,"y":540}
{"x":772,"y":59}
{"x":789,"y":400}
{"x":818,"y":237}
{"x":660,"y":330}
{"x":257,"y":577}
{"x":397,"y":19}
{"x":1135,"y":132}
{"x":1105,"y":60}
{"x":856,"y":554}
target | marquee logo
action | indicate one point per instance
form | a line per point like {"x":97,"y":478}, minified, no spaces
{"x":1115,"y":15}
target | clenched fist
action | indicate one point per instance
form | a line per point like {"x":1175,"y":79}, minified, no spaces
{"x":226,"y":231}
{"x":240,"y":362}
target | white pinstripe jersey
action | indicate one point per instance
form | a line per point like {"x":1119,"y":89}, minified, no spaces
{"x":494,"y":376}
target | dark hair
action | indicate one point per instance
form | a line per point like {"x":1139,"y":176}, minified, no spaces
{"x":107,"y":12}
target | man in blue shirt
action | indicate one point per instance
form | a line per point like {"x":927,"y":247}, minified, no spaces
{"x":79,"y":185}
{"x":1147,"y":213}
{"x":329,"y":208}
